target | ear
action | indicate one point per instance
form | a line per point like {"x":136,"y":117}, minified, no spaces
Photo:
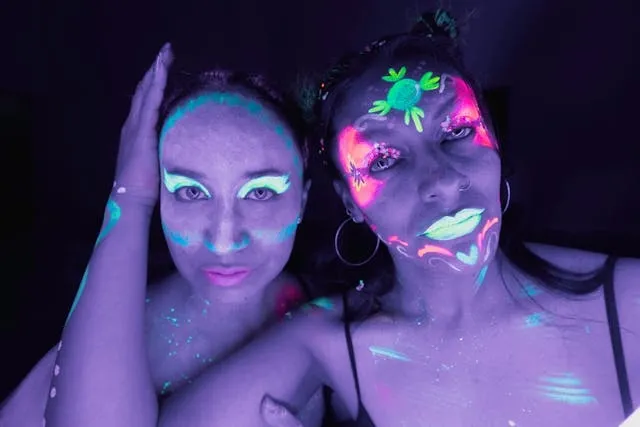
{"x":305,"y":197}
{"x":345,"y":195}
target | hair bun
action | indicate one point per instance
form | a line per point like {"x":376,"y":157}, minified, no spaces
{"x":436,"y":24}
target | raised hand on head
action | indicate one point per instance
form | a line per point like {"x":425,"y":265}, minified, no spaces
{"x":137,"y":172}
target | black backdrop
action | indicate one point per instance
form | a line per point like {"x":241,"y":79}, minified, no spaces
{"x":558,"y":73}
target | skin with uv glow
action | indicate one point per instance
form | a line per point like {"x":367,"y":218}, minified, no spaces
{"x":232,"y":189}
{"x":414,"y":188}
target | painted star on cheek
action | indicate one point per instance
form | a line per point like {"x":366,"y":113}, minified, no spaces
{"x":356,"y":174}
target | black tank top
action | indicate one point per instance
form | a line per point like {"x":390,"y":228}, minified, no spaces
{"x":606,"y":276}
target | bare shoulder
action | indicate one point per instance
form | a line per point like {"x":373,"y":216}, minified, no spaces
{"x":627,"y":292}
{"x":574,"y":260}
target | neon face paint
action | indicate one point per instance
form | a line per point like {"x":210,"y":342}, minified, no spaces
{"x":174,"y":182}
{"x":534,"y":319}
{"x":277,"y":236}
{"x":452,"y":227}
{"x":229,"y":247}
{"x":275,"y":184}
{"x":467,"y":113}
{"x":566,"y":388}
{"x":469,"y":258}
{"x":353,"y":154}
{"x":404,"y":95}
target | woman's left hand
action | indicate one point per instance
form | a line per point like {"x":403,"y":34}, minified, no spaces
{"x":275,"y":414}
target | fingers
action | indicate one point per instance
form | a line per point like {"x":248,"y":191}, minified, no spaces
{"x":157,"y":72}
{"x":276,"y":415}
{"x":156,"y":85}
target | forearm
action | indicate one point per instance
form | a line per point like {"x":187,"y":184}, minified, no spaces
{"x":229,"y":393}
{"x":102,"y":370}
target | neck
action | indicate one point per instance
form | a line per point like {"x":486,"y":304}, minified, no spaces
{"x":440,"y":295}
{"x":229,"y":310}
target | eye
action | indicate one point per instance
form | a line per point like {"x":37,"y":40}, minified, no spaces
{"x":382,"y":163}
{"x":260,"y":194}
{"x":458,"y":133}
{"x":190,"y":193}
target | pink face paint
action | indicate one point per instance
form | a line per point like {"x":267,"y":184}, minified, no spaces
{"x":396,"y":239}
{"x":467,"y":112}
{"x":485,"y":229}
{"x":432,"y":249}
{"x":353,"y":155}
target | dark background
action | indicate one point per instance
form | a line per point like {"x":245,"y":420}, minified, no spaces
{"x":558,"y":73}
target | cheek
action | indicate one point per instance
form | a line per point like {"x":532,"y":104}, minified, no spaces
{"x":180,"y":226}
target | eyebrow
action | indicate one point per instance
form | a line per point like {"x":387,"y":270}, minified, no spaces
{"x":264,"y":172}
{"x":249,"y":175}
{"x":186,"y":172}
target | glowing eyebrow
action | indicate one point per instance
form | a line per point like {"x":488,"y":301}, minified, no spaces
{"x":175,"y":181}
{"x":277,"y":184}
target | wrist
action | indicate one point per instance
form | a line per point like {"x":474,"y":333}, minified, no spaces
{"x":134,"y":198}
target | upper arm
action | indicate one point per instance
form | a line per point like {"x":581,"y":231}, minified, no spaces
{"x":279,"y":363}
{"x":26,"y":405}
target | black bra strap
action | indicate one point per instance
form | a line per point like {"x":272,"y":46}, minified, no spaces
{"x":616,"y":338}
{"x":352,"y":357}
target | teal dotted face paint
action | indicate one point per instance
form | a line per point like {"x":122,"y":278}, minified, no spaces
{"x":404,"y":95}
{"x":175,"y":182}
{"x":232,"y":100}
{"x":274,"y":184}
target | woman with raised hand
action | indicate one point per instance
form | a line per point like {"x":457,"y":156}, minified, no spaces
{"x":228,"y":167}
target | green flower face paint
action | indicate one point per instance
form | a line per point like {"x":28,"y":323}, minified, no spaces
{"x":275,"y":184}
{"x":174,"y":182}
{"x":404,"y":95}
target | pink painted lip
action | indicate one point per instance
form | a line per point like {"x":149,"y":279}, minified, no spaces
{"x":226,"y":276}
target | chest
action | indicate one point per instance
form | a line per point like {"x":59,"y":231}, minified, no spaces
{"x":536,"y":370}
{"x":179,"y":350}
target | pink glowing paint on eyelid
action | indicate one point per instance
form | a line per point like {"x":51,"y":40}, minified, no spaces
{"x":353,"y":151}
{"x":467,"y":108}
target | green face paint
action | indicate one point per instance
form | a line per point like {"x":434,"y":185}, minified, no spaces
{"x":277,"y":184}
{"x":174,"y":182}
{"x":404,"y":95}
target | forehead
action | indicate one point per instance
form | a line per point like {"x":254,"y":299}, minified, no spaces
{"x":216,"y":135}
{"x":394,"y":81}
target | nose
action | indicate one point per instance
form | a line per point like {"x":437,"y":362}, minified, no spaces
{"x":225,"y":233}
{"x":442,"y":183}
